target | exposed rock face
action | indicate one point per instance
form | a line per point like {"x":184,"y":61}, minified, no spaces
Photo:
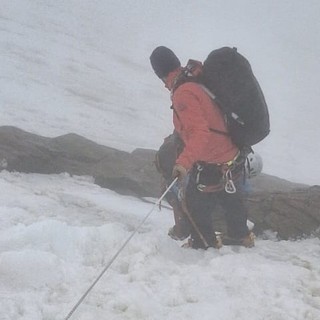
{"x":291,"y":214}
{"x":132,"y":174}
{"x":290,"y":209}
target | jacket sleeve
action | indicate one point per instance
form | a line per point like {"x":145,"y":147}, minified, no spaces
{"x":194,"y":128}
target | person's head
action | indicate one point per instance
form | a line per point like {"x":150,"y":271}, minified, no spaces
{"x":164,"y":61}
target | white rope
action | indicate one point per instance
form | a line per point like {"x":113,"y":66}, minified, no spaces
{"x":118,"y":252}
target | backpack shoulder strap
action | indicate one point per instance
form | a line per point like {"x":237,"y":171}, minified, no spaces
{"x":213,"y":97}
{"x":207,"y":91}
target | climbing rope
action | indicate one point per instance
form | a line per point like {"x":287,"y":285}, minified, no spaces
{"x":118,"y":252}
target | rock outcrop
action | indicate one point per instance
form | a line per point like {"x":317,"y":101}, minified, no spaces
{"x":292,"y":210}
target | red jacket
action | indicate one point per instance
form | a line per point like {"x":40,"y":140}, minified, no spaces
{"x":194,"y":114}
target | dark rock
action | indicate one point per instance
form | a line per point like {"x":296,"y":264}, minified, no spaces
{"x":290,"y":209}
{"x":129,"y":174}
{"x":291,"y":214}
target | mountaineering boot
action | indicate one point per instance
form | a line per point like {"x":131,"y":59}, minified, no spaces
{"x":247,"y":241}
{"x":188,"y":244}
{"x":218,"y":240}
{"x":177,"y":234}
{"x":181,"y":230}
{"x":191,"y":243}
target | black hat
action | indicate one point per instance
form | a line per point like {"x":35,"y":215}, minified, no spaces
{"x":163,"y":61}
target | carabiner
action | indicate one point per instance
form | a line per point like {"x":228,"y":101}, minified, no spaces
{"x":229,"y":186}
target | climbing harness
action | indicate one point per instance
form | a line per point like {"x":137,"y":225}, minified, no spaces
{"x":226,"y":181}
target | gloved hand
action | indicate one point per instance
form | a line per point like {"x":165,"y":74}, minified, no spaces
{"x":179,"y":172}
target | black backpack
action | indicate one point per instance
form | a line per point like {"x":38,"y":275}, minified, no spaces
{"x":233,"y":86}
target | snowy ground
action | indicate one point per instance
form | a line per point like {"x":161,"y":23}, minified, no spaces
{"x":58,"y":233}
{"x":82,"y":67}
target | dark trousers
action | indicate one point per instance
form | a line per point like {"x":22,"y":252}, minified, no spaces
{"x":201,"y":206}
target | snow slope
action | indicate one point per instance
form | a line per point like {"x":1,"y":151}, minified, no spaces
{"x":59,"y":233}
{"x":82,"y":66}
